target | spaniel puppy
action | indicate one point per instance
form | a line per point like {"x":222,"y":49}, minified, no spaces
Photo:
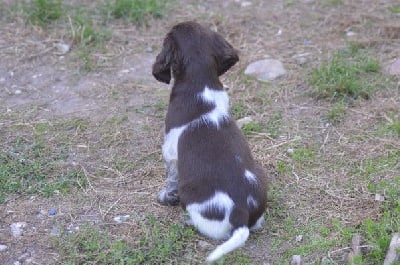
{"x":209,"y":167}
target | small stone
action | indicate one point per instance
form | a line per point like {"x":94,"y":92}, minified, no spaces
{"x":204,"y":245}
{"x":121,"y":218}
{"x":379,"y":197}
{"x":297,"y":260}
{"x":350,"y":33}
{"x":299,"y":238}
{"x":17,"y":228}
{"x":17,"y":263}
{"x":265,"y":70}
{"x":3,"y":247}
{"x":17,"y":92}
{"x":290,"y":151}
{"x":245,"y":4}
{"x":243,"y":121}
{"x":394,"y":67}
{"x":55,"y":231}
{"x":52,"y":212}
{"x":62,"y":48}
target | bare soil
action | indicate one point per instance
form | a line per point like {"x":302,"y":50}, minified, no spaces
{"x":40,"y":84}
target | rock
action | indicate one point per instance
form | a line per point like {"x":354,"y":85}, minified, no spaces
{"x":17,"y":228}
{"x":17,"y":92}
{"x":296,"y":260}
{"x":243,"y":121}
{"x":265,"y":70}
{"x":3,"y":248}
{"x":62,"y":48}
{"x":290,"y":151}
{"x":121,"y":218}
{"x":204,"y":245}
{"x":245,"y":4}
{"x":379,"y":197}
{"x":394,"y":67}
{"x":393,"y":254}
{"x":52,"y":211}
{"x":299,"y":238}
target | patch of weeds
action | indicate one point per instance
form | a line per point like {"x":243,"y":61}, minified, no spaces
{"x":136,"y":10}
{"x":337,"y":113}
{"x":273,"y":126}
{"x":157,"y":244}
{"x":350,"y":73}
{"x":282,"y":167}
{"x":379,"y":165}
{"x":238,"y":111}
{"x":43,"y":12}
{"x":251,"y":127}
{"x":332,"y":3}
{"x":85,"y":32}
{"x":29,"y":167}
{"x":235,"y":258}
{"x":395,"y":9}
{"x":392,"y":127}
{"x":303,"y":154}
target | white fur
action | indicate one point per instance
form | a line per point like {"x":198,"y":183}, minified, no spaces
{"x":251,"y":202}
{"x":237,"y":240}
{"x":251,"y":178}
{"x":220,"y":112}
{"x":212,"y":228}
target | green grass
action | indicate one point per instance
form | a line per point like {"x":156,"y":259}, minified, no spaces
{"x":350,"y":73}
{"x":303,"y":155}
{"x":337,"y":113}
{"x":395,"y":9}
{"x":158,"y":243}
{"x":238,"y":111}
{"x":251,"y":127}
{"x":136,"y":10}
{"x":43,"y":12}
{"x":274,"y":124}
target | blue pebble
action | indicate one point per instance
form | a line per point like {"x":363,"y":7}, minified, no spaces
{"x":52,"y":211}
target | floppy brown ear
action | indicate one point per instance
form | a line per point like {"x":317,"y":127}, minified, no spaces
{"x":226,"y":55}
{"x":162,"y":66}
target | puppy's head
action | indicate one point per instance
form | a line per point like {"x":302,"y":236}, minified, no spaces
{"x":190,"y":44}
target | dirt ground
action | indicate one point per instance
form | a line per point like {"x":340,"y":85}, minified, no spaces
{"x":122,"y":160}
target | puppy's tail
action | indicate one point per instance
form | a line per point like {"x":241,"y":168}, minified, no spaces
{"x":237,"y":240}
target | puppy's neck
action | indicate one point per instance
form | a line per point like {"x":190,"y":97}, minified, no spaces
{"x":198,"y":76}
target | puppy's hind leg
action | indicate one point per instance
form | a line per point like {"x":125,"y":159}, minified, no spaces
{"x":169,"y":195}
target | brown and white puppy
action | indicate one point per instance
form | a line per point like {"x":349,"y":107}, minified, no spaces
{"x":210,"y":169}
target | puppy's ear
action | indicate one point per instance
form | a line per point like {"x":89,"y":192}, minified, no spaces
{"x":226,"y":55}
{"x":162,"y":66}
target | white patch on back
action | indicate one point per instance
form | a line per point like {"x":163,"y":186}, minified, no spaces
{"x":251,"y":202}
{"x":212,"y":228}
{"x":251,"y":178}
{"x":219,"y":99}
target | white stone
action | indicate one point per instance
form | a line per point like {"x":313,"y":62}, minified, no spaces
{"x":17,"y":92}
{"x":121,"y":218}
{"x":265,"y":70}
{"x":3,"y":247}
{"x":245,"y":4}
{"x":17,"y":228}
{"x":379,"y":197}
{"x":62,"y":48}
{"x":299,"y":238}
{"x":243,"y":121}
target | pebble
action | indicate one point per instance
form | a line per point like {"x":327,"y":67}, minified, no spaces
{"x":3,"y":247}
{"x":299,"y":238}
{"x":243,"y":121}
{"x":17,"y":228}
{"x":62,"y":48}
{"x":379,"y":197}
{"x":52,"y":211}
{"x":297,"y":260}
{"x":17,"y":92}
{"x":394,"y":67}
{"x":121,"y":218}
{"x":265,"y":70}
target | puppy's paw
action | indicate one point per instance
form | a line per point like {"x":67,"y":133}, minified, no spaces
{"x":168,"y":198}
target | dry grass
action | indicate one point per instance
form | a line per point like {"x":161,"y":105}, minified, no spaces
{"x":123,"y":107}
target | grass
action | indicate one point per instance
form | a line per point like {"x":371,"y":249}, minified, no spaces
{"x":158,"y":243}
{"x":350,"y":73}
{"x":337,"y":113}
{"x":135,"y":10}
{"x":251,"y":127}
{"x":395,"y":9}
{"x":43,"y":12}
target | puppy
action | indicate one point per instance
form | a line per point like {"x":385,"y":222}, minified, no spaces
{"x":209,"y":167}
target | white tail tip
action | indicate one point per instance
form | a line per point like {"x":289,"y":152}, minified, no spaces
{"x":237,"y":240}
